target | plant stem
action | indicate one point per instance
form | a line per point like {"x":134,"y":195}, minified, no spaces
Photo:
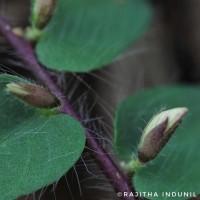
{"x":25,"y":51}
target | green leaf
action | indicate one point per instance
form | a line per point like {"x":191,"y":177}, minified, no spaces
{"x":84,"y":35}
{"x":176,"y":168}
{"x":35,"y":149}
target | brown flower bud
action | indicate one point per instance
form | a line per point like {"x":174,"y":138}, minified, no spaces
{"x":42,"y":12}
{"x":34,"y":95}
{"x":158,"y":131}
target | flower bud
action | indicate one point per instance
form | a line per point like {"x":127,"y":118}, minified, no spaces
{"x":42,"y":12}
{"x":158,"y":131}
{"x":34,"y":95}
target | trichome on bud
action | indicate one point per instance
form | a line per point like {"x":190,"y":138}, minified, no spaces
{"x":34,"y":95}
{"x":158,"y":131}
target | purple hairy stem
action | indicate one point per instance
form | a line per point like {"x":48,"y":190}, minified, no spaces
{"x":25,"y":51}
